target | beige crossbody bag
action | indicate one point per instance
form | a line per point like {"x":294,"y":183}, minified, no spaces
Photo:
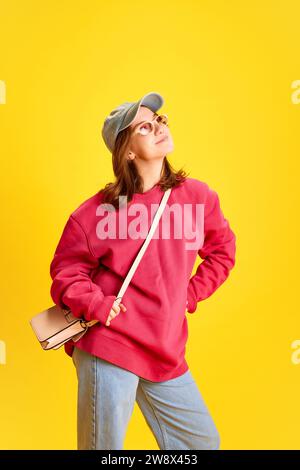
{"x":55,"y":326}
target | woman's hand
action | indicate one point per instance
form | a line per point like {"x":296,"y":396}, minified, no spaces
{"x":115,"y":311}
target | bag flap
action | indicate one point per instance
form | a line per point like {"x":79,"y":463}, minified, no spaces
{"x":52,"y":320}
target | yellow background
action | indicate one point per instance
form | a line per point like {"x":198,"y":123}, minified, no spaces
{"x":225,"y":70}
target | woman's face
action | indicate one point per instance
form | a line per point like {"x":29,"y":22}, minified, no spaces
{"x":148,"y":147}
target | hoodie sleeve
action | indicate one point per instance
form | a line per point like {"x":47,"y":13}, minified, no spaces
{"x":70,"y":271}
{"x":217,"y":252}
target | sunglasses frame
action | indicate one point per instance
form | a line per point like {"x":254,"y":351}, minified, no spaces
{"x":137,"y":131}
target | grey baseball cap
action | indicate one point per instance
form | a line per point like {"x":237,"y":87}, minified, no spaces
{"x":123,"y":115}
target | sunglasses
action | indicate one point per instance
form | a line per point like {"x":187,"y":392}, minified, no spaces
{"x":148,"y":126}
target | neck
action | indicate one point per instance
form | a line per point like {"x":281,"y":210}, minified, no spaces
{"x":150,"y":173}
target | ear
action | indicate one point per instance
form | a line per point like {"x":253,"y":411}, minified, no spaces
{"x":130,"y":156}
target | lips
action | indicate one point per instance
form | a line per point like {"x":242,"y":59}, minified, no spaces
{"x":162,"y":140}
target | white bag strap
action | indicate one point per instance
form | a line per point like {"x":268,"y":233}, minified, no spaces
{"x":145,"y":244}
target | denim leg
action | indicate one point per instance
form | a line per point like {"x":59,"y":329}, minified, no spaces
{"x":105,"y":402}
{"x":177,"y":414}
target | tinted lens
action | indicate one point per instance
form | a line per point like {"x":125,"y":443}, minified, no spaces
{"x":146,"y":128}
{"x":163,"y":119}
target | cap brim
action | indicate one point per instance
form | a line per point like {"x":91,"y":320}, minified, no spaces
{"x":152,"y":100}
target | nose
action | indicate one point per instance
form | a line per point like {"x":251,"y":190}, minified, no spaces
{"x":159,"y":127}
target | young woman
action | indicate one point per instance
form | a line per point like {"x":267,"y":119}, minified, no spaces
{"x":136,"y":351}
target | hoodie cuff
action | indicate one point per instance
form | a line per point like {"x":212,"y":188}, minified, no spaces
{"x":191,"y":300}
{"x":100,"y":309}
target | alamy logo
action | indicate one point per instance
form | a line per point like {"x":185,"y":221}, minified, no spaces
{"x":2,"y":92}
{"x":2,"y":352}
{"x":177,"y":221}
{"x":296,"y":354}
{"x":296,"y":94}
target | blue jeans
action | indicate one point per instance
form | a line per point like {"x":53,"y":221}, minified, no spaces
{"x":174,"y":409}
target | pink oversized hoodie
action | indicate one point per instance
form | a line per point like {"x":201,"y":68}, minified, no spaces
{"x":89,"y":267}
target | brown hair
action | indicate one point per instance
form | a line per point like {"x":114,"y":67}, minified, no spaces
{"x":128,"y":181}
